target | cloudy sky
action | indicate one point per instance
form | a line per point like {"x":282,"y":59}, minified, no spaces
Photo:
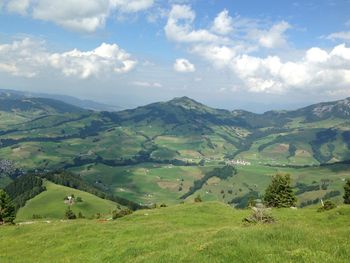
{"x":250,"y":54}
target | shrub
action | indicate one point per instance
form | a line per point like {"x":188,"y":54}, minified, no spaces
{"x":347,"y":192}
{"x":260,"y":214}
{"x":198,"y":199}
{"x":79,"y":199}
{"x":280,"y":193}
{"x":118,"y":214}
{"x":163,"y":205}
{"x":37,"y":216}
{"x":327,"y":205}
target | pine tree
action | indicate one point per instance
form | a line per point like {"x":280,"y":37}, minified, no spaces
{"x":7,"y":209}
{"x":347,"y":192}
{"x":280,"y":193}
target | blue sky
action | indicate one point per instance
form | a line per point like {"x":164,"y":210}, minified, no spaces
{"x":256,"y":55}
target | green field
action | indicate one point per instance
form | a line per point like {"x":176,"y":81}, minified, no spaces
{"x":50,"y":204}
{"x":201,"y":232}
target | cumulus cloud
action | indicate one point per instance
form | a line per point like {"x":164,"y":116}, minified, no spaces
{"x":22,"y":58}
{"x":28,"y":58}
{"x":317,"y":70}
{"x":79,"y":15}
{"x":274,"y":37}
{"x":229,"y":44}
{"x":179,"y":27}
{"x":222,"y":23}
{"x":104,"y":59}
{"x":184,"y":66}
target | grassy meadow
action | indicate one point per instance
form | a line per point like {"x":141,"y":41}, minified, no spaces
{"x":195,"y":232}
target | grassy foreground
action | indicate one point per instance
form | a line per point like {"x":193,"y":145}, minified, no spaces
{"x":204,"y":232}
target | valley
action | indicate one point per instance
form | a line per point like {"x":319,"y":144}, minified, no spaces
{"x":155,"y":153}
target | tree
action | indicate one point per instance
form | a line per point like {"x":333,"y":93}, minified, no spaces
{"x":280,"y":193}
{"x":70,"y":214}
{"x":347,"y":192}
{"x":7,"y":209}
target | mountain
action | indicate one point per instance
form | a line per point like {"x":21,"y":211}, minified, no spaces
{"x":165,"y":151}
{"x":85,"y":104}
{"x":13,"y":102}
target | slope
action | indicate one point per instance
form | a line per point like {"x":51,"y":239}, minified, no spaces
{"x":205,"y":232}
{"x":50,"y":204}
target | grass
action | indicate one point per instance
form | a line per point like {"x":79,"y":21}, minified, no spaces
{"x":50,"y":204}
{"x":202,"y":232}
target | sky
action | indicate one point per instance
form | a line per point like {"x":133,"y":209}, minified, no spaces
{"x":233,"y":54}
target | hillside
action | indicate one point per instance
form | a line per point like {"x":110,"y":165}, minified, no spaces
{"x":50,"y":204}
{"x":204,"y":232}
{"x":155,"y":153}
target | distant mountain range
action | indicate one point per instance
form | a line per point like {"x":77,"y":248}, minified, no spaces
{"x":85,"y":104}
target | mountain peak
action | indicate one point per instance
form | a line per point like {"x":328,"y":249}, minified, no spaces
{"x":189,"y":104}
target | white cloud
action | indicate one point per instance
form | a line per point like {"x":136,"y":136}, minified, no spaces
{"x":132,"y":6}
{"x":222,"y":23}
{"x":104,"y":59}
{"x":316,"y":55}
{"x":22,"y":58}
{"x":147,"y":84}
{"x":220,"y":56}
{"x":345,"y":36}
{"x":18,"y":6}
{"x":316,"y":70}
{"x":179,"y":27}
{"x":79,"y":15}
{"x":183,"y":65}
{"x":274,"y":38}
{"x":28,"y":58}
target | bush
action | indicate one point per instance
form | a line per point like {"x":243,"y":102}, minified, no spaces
{"x":198,"y":199}
{"x":37,"y":216}
{"x":79,"y":199}
{"x":80,"y":215}
{"x":347,"y":192}
{"x":118,"y":214}
{"x":280,"y":193}
{"x":70,"y":214}
{"x":260,"y":214}
{"x":163,"y":205}
{"x":327,"y":205}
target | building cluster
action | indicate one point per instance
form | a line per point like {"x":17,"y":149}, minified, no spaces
{"x":238,"y":162}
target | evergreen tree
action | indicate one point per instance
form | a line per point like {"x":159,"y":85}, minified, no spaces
{"x":7,"y":210}
{"x":280,"y":193}
{"x":347,"y":192}
{"x":70,"y":214}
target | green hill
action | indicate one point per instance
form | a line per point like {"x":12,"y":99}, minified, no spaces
{"x":155,"y":153}
{"x":50,"y":204}
{"x":202,"y":232}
